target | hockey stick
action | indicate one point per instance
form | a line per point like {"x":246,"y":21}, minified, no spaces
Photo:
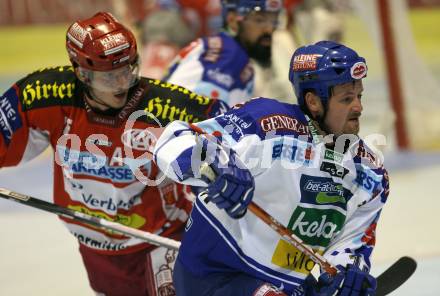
{"x":388,"y":281}
{"x":89,"y":220}
{"x":396,"y":275}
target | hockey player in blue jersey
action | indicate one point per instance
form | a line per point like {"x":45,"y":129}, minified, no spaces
{"x":304,"y":164}
{"x":219,"y":66}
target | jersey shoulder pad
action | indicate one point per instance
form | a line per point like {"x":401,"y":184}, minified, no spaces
{"x":371,"y":175}
{"x":193,"y":49}
{"x":278,"y":118}
{"x":47,"y":87}
{"x":368,"y":156}
{"x":166,"y":102}
{"x":269,"y":117}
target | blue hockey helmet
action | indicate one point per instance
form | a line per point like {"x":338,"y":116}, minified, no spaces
{"x":243,"y":7}
{"x":320,"y":66}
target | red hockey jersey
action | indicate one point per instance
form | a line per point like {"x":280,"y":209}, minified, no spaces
{"x":102,"y":163}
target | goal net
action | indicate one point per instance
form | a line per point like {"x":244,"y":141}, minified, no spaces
{"x":420,"y":90}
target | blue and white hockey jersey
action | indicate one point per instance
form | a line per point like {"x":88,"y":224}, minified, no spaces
{"x":331,"y":200}
{"x":215,"y":66}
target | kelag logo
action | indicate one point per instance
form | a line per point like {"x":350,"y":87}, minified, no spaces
{"x":316,"y":227}
{"x":321,"y":212}
{"x":316,"y":220}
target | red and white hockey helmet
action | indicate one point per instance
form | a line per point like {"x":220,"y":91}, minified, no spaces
{"x":100,"y":43}
{"x":104,"y":52}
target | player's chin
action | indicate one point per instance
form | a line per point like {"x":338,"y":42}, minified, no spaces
{"x":119,"y":100}
{"x":352,"y":127}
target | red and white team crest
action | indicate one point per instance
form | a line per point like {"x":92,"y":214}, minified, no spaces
{"x":273,"y":5}
{"x":268,"y":290}
{"x":139,"y":139}
{"x":358,"y":70}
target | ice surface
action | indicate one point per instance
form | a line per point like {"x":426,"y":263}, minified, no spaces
{"x":39,"y":257}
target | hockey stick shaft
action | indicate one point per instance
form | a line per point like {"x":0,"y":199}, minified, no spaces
{"x":291,"y":238}
{"x":89,"y":220}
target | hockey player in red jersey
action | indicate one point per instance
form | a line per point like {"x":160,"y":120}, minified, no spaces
{"x":95,"y":114}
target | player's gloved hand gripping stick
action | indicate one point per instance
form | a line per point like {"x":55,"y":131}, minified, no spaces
{"x":231,"y":185}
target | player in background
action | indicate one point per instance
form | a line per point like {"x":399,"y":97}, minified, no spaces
{"x":101,"y":166}
{"x":313,"y":20}
{"x":166,"y":26}
{"x":304,"y":164}
{"x":220,"y":66}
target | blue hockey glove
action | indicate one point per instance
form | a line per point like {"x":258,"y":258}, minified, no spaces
{"x":233,"y":186}
{"x":348,"y":281}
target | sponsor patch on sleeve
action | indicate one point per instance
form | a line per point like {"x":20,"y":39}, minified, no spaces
{"x":10,"y":119}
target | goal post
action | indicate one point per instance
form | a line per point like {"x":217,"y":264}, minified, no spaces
{"x":403,"y":95}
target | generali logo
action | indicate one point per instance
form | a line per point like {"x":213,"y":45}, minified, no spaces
{"x":358,"y":70}
{"x":139,"y":139}
{"x":282,"y":122}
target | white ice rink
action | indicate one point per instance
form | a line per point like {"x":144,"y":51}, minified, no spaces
{"x":39,"y":257}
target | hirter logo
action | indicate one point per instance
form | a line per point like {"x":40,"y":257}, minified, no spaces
{"x":358,"y":70}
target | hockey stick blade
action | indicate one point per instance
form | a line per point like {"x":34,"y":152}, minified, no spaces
{"x":395,"y":276}
{"x":89,"y":220}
